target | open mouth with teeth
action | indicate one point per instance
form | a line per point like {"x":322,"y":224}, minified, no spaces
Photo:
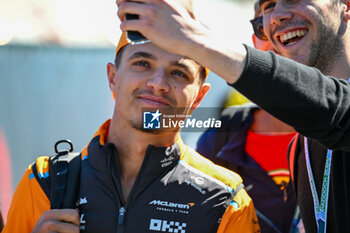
{"x":292,"y":37}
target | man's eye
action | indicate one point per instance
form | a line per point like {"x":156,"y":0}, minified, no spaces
{"x":179,"y":74}
{"x":141,"y":64}
{"x":268,"y":6}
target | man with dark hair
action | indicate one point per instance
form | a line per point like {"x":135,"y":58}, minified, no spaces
{"x":254,"y":144}
{"x":314,"y":33}
{"x":135,"y":179}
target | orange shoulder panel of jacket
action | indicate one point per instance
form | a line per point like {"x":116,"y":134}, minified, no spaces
{"x":29,"y":201}
{"x":84,"y":152}
{"x":240,"y":219}
{"x":102,"y":132}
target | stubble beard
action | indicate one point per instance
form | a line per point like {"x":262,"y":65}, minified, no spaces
{"x":138,"y":123}
{"x":324,"y":53}
{"x":329,"y":47}
{"x":139,"y":126}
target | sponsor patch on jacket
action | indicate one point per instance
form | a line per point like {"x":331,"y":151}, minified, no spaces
{"x":161,"y":225}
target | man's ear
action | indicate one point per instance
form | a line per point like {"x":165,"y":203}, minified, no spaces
{"x":111,"y":72}
{"x":254,"y":40}
{"x":201,"y":93}
{"x":347,"y":11}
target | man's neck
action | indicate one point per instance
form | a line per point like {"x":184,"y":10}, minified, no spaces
{"x":132,"y":145}
{"x":266,"y":124}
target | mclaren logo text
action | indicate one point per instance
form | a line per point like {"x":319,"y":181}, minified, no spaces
{"x":171,"y":204}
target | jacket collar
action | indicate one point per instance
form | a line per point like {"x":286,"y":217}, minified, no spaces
{"x":156,"y":159}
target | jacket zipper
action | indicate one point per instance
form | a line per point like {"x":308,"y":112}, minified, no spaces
{"x":120,"y":228}
{"x":122,"y":209}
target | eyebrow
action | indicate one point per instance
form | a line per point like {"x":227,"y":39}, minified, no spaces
{"x":262,"y":2}
{"x":180,"y":64}
{"x":184,"y":66}
{"x":142,"y":55}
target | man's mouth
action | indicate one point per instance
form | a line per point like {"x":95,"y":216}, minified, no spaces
{"x":292,"y":37}
{"x":155,"y":100}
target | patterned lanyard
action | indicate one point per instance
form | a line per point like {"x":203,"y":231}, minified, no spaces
{"x":320,"y":210}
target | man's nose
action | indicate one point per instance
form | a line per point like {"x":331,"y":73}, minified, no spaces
{"x":281,"y":13}
{"x":158,"y":81}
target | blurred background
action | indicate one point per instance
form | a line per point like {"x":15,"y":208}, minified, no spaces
{"x":53,"y":83}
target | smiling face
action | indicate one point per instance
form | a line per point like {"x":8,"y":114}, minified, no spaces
{"x":148,"y":77}
{"x":308,"y":31}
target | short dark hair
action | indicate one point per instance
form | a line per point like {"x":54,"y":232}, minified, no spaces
{"x":118,"y":58}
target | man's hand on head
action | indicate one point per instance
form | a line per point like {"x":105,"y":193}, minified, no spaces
{"x":172,"y":26}
{"x":58,"y":220}
{"x":169,"y":24}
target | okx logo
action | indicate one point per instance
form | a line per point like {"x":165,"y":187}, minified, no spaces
{"x":151,"y":120}
{"x":167,"y":226}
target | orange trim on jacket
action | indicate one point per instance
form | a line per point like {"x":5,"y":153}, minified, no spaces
{"x":29,"y":202}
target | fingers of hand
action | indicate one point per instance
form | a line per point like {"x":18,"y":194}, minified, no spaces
{"x":147,"y":16}
{"x":132,"y":25}
{"x":142,"y":10}
{"x":58,"y":220}
{"x":58,"y":226}
{"x":64,"y":215}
